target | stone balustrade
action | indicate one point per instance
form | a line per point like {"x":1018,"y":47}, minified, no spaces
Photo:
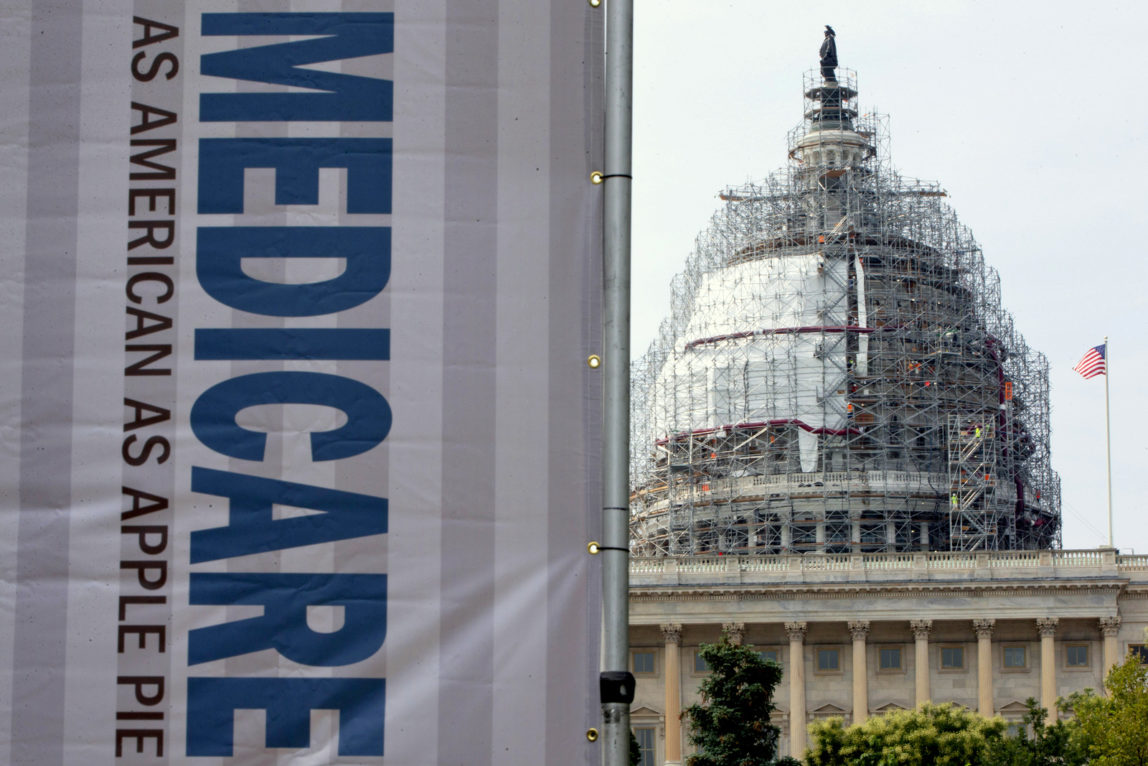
{"x":878,"y":567}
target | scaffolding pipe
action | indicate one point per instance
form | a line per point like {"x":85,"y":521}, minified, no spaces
{"x":616,"y":355}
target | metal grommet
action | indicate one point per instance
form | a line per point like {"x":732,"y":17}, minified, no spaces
{"x":596,"y":177}
{"x":592,"y":735}
{"x":593,"y":547}
{"x":594,"y":361}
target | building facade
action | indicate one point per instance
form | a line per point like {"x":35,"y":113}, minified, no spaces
{"x":861,"y":634}
{"x":840,"y":455}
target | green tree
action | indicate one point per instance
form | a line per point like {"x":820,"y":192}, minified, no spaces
{"x":1038,"y":744}
{"x":931,"y":735}
{"x":731,"y":727}
{"x":1113,"y":730}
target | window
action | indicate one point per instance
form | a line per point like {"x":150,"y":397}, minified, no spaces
{"x":769,"y":655}
{"x":645,"y":737}
{"x":700,"y":665}
{"x":1076,"y":656}
{"x":889,"y":658}
{"x":1015,"y":658}
{"x":828,"y":660}
{"x":952,"y":658}
{"x":1139,"y":651}
{"x":643,"y":662}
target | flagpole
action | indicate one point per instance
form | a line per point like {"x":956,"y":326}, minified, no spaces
{"x":1108,"y":439}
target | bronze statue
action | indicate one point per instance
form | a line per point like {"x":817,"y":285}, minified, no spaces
{"x":829,"y":55}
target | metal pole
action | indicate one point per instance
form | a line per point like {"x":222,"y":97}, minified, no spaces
{"x":616,"y":358}
{"x":1108,"y":440}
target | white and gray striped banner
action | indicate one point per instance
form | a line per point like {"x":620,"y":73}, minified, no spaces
{"x":300,"y":440}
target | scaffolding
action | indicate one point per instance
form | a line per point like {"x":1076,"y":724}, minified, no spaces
{"x":837,"y":373}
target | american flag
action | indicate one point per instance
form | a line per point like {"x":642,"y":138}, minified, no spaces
{"x":1092,"y":363}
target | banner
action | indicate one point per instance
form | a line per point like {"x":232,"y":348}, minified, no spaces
{"x":301,"y":443}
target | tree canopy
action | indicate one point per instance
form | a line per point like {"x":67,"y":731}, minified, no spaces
{"x":1109,"y":730}
{"x":1113,"y":730}
{"x":1038,"y":744}
{"x":731,"y":727}
{"x":931,"y":735}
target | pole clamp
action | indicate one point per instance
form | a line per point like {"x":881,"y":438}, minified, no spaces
{"x":616,"y":686}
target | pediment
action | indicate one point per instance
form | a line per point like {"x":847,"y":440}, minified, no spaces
{"x":644,"y":712}
{"x":1016,"y":706}
{"x":889,"y":707}
{"x":829,"y":709}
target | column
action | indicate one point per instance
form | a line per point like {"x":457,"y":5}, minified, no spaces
{"x":921,"y":630}
{"x":1110,"y":629}
{"x":859,"y":629}
{"x":734,"y":632}
{"x":797,"y":723}
{"x":672,"y":634}
{"x":1046,"y":626}
{"x":984,"y":629}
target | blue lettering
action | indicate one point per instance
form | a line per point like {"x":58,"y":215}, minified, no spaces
{"x":292,"y":343}
{"x":344,"y":97}
{"x":296,"y":162}
{"x":212,"y":702}
{"x":283,"y":625}
{"x":304,"y":88}
{"x":221,"y":250}
{"x":252,"y":528}
{"x":368,"y":414}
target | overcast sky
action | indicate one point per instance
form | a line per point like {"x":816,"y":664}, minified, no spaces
{"x":1034,"y":118}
